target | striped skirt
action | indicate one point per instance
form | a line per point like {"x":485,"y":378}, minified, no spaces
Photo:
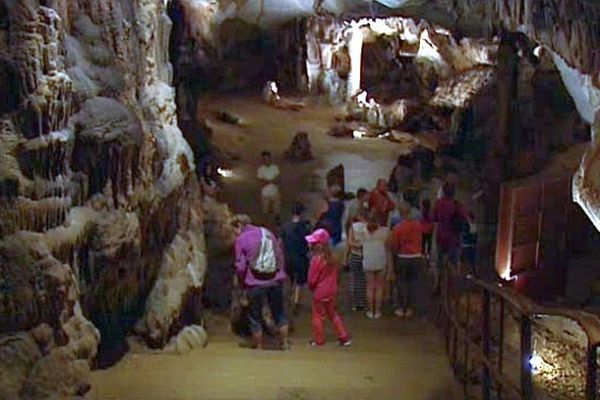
{"x":358,"y":282}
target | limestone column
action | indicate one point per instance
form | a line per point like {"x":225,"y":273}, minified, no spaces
{"x":355,"y":44}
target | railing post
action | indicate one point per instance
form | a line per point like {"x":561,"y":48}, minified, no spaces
{"x":526,"y":352}
{"x":501,"y":347}
{"x":485,"y":344}
{"x":591,"y":388}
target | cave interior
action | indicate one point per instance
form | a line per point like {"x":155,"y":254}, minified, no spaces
{"x":112,"y":113}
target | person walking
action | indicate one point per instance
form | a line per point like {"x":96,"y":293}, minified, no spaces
{"x":450,"y":220}
{"x":260,"y":271}
{"x":296,"y":252}
{"x":323,"y":282}
{"x":406,"y":241}
{"x":375,"y":262}
{"x":268,"y":175}
{"x":358,"y":280}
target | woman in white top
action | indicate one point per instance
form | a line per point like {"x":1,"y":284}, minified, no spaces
{"x":375,"y":262}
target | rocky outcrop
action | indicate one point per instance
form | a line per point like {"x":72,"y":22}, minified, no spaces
{"x":100,"y":212}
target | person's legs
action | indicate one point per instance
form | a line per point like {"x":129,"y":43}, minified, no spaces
{"x":338,"y":323}
{"x":358,"y":284}
{"x":370,"y":293}
{"x":411,"y":273}
{"x":276,"y":203}
{"x":403,"y":266}
{"x":265,"y":204}
{"x":318,"y":315}
{"x":399,"y":288}
{"x":379,"y":284}
{"x":276,"y":304}
{"x":255,"y":303}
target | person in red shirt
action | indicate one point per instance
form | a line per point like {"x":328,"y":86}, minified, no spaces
{"x":406,"y":241}
{"x":450,"y":219}
{"x":380,"y":203}
{"x":323,"y":282}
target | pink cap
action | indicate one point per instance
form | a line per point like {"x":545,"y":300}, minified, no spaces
{"x":319,"y":236}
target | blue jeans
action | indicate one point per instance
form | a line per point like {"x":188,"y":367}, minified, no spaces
{"x":257,"y":296}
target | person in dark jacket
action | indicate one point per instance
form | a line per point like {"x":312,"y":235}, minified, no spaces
{"x":296,"y":251}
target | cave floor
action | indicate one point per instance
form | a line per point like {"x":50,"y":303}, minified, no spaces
{"x":390,"y":358}
{"x":266,"y":128}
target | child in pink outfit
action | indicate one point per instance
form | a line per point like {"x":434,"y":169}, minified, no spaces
{"x":322,"y":281}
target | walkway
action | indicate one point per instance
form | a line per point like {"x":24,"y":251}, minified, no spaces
{"x":390,"y":358}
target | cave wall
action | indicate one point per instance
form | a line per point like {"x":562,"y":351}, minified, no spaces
{"x":100,"y":213}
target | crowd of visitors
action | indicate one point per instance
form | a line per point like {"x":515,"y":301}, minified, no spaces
{"x":390,"y":244}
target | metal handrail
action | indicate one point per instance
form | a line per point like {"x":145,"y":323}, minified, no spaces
{"x":492,"y":375}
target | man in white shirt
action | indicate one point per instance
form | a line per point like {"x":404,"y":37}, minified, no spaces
{"x":268,"y":174}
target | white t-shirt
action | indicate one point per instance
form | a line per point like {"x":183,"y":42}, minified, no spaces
{"x":374,"y":250}
{"x":269,"y":173}
{"x":359,"y":229}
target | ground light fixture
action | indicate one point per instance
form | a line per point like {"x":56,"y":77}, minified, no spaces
{"x":225,"y":173}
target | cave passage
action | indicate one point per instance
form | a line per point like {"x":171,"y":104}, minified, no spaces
{"x":135,"y":139}
{"x":389,"y":357}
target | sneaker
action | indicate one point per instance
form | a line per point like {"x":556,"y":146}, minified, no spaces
{"x":377,"y":315}
{"x":345,"y":343}
{"x":286,"y":345}
{"x":313,"y":343}
{"x":409,"y":313}
{"x":399,"y":313}
{"x":370,"y":315}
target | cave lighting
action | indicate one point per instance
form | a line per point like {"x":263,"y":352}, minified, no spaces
{"x":225,"y":173}
{"x":358,"y":134}
{"x":539,"y":365}
{"x":538,"y":51}
{"x":506,"y":274}
{"x":274,"y":87}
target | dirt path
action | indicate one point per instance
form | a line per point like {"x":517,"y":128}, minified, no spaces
{"x":390,"y":358}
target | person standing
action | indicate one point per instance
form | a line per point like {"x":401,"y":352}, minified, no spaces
{"x":355,"y":207}
{"x":380,"y":202}
{"x":427,"y":220}
{"x":410,"y":198}
{"x":358,"y":281}
{"x":260,"y":271}
{"x":269,"y":176}
{"x":296,"y":251}
{"x":323,"y":282}
{"x":375,"y":261}
{"x":333,"y":212}
{"x":402,"y":175}
{"x":406,"y":241}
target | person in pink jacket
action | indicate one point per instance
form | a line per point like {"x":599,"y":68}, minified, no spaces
{"x":323,"y":282}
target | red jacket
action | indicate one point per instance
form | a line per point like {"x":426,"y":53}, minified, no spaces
{"x":322,"y":278}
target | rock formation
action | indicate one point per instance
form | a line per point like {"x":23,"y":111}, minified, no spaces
{"x":100,"y":211}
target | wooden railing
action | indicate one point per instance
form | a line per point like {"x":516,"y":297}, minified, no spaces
{"x":469,"y":324}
